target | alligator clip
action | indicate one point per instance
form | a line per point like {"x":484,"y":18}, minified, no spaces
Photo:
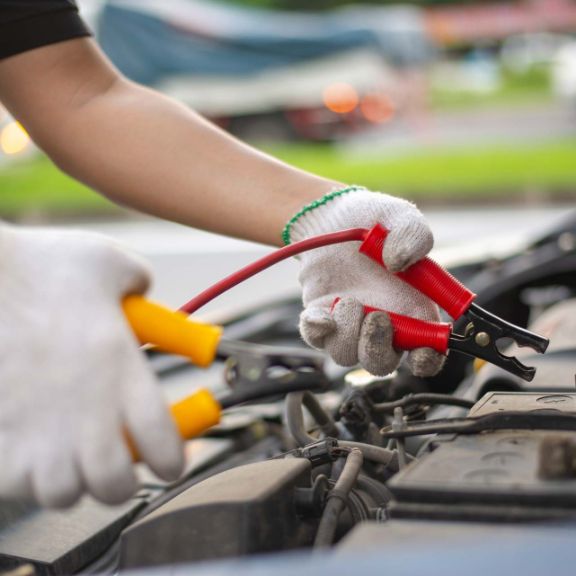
{"x":483,"y":332}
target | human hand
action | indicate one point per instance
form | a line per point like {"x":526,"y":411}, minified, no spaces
{"x":72,"y":379}
{"x":341,"y":274}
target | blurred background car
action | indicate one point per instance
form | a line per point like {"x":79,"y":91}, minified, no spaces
{"x":271,"y":74}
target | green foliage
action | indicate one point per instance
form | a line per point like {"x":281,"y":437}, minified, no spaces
{"x":447,"y":174}
{"x":36,"y":186}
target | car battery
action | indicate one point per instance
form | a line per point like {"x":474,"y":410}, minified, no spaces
{"x":514,"y":475}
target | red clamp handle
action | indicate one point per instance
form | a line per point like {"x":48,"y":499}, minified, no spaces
{"x":425,"y":275}
{"x":411,"y":333}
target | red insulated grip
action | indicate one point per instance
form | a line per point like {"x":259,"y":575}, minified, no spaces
{"x":410,"y":333}
{"x":426,"y":276}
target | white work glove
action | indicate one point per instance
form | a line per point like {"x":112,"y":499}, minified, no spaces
{"x":72,"y":378}
{"x":340,"y":271}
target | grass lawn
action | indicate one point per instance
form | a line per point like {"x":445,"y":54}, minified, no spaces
{"x":37,"y":187}
{"x":448,"y":174}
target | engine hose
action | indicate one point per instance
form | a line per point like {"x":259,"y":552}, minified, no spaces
{"x":295,"y":423}
{"x":338,"y":498}
{"x":422,"y":398}
{"x":374,"y":453}
{"x":263,"y":391}
{"x":295,"y":418}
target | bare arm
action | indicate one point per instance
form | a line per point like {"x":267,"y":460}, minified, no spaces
{"x":144,"y":150}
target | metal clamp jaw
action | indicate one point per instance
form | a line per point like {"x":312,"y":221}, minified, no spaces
{"x":482,"y":336}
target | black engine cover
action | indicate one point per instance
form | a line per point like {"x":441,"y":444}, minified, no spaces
{"x":241,"y":511}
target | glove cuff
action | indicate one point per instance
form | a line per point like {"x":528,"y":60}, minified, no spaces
{"x":286,"y":233}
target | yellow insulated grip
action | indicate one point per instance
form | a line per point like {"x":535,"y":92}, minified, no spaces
{"x":192,"y":416}
{"x":196,"y":413}
{"x":171,"y":331}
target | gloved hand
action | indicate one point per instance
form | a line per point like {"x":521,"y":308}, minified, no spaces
{"x":340,"y":271}
{"x":72,"y":379}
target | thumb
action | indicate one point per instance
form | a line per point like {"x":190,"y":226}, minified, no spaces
{"x":406,"y":243}
{"x":315,"y":325}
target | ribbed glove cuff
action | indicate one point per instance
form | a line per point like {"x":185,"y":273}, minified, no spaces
{"x":307,"y":222}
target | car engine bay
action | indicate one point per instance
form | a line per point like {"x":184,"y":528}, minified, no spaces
{"x":338,"y":460}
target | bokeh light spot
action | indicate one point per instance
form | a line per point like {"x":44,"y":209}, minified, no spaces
{"x":13,"y":138}
{"x":341,"y":98}
{"x":377,"y":108}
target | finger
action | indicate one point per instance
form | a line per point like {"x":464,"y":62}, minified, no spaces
{"x":315,"y":324}
{"x":105,"y":463}
{"x":342,"y":344}
{"x":148,"y":421}
{"x":425,"y":362}
{"x":375,"y":350}
{"x":15,"y":474}
{"x":133,"y":274}
{"x":407,"y":243}
{"x":127,"y":272}
{"x":56,"y":480}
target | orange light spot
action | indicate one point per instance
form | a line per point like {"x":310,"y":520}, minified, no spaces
{"x":341,"y":98}
{"x":377,"y":108}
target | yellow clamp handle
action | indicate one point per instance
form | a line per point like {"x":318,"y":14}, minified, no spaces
{"x":196,"y":413}
{"x":193,"y":415}
{"x":172,"y":332}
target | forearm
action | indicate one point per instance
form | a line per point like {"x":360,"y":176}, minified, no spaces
{"x":144,"y":150}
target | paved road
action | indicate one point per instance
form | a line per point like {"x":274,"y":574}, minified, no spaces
{"x":186,"y":261}
{"x":472,"y":128}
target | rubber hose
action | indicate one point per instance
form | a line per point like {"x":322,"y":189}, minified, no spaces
{"x":337,"y":499}
{"x":295,"y":423}
{"x":295,"y":419}
{"x":370,"y":452}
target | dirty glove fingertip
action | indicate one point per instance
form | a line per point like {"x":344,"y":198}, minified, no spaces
{"x":375,"y":351}
{"x":315,"y":325}
{"x":425,"y":362}
{"x":406,"y":245}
